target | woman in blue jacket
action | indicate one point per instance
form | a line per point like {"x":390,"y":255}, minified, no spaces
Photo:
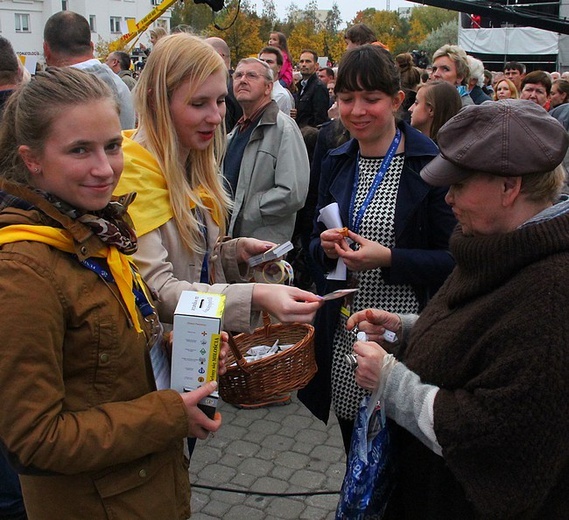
{"x":398,"y":224}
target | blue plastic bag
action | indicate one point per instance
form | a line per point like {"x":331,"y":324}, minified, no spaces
{"x":369,"y":478}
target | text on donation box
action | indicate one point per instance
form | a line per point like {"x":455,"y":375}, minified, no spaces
{"x":197,"y":341}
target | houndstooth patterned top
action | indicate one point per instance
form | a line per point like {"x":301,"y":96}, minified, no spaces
{"x":377,"y":224}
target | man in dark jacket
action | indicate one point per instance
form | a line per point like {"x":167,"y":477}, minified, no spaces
{"x":312,"y":98}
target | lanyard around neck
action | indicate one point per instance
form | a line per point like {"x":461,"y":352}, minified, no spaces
{"x":140,"y":298}
{"x":358,"y":217}
{"x":204,"y":273}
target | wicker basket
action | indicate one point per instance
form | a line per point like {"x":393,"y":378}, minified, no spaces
{"x":267,"y":379}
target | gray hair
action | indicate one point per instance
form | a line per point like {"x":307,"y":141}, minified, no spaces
{"x":267,"y":70}
{"x":476,"y":68}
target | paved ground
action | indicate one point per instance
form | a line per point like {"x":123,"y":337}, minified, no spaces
{"x":270,"y":451}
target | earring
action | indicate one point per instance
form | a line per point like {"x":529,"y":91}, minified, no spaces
{"x":36,"y":170}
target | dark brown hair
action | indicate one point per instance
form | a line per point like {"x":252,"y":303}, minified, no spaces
{"x":360,"y":34}
{"x":368,"y":67}
{"x":535,"y":77}
{"x":68,"y":33}
{"x":445,"y":101}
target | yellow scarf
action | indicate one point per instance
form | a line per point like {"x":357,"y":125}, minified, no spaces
{"x":119,"y":264}
{"x":151,"y":208}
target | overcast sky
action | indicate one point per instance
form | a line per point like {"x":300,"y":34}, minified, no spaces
{"x":348,"y":8}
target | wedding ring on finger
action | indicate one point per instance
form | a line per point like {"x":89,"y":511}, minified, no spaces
{"x":352,"y":361}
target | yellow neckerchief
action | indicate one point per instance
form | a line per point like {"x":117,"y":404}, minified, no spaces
{"x":119,"y":264}
{"x":151,"y":208}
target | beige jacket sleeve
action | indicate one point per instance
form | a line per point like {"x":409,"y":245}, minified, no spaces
{"x":169,"y":269}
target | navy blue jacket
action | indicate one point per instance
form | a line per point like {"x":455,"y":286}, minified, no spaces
{"x":423,"y":225}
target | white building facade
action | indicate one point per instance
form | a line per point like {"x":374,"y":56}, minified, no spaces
{"x":22,"y":21}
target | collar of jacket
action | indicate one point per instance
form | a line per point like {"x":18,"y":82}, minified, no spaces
{"x":416,"y":144}
{"x":85,"y":242}
{"x":268,"y":117}
{"x":308,"y":82}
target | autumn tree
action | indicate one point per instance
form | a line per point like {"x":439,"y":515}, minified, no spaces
{"x":239,"y":26}
{"x":334,"y":44}
{"x":304,"y":36}
{"x":333,"y":19}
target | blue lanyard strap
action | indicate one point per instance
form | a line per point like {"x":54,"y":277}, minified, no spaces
{"x":357,"y":218}
{"x":204,"y":273}
{"x":140,"y":298}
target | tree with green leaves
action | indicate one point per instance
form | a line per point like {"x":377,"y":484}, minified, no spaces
{"x":269,"y":19}
{"x":197,"y":18}
{"x":333,"y":20}
{"x":426,"y":19}
{"x":446,"y":33}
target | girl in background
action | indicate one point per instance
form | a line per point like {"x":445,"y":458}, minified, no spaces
{"x":435,"y":104}
{"x":278,"y":39}
{"x":410,"y":79}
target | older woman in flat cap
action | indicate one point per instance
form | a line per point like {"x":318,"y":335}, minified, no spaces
{"x":477,"y":390}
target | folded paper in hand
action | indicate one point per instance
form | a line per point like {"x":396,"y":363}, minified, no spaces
{"x":330,"y":217}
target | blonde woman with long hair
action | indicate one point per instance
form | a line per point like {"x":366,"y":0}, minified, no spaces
{"x":180,"y":213}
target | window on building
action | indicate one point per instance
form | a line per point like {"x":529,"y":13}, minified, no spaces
{"x":155,"y":2}
{"x":64,"y":5}
{"x":22,"y":22}
{"x":115,"y":24}
{"x":93,"y":23}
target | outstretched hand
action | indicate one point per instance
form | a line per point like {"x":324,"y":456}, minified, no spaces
{"x":287,"y":304}
{"x":223,"y":353}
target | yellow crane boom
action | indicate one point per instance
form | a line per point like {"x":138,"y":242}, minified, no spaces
{"x":141,"y":25}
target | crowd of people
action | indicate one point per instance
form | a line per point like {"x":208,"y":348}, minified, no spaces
{"x":118,"y":191}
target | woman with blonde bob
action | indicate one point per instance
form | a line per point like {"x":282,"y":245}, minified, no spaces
{"x":180,"y":213}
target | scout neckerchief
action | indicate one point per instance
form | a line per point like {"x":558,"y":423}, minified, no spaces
{"x":120,"y":267}
{"x":151,"y":208}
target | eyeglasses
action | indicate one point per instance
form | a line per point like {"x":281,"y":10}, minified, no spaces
{"x":253,"y":76}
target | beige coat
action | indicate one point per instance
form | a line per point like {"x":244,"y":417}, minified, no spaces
{"x":81,"y":419}
{"x":169,"y":269}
